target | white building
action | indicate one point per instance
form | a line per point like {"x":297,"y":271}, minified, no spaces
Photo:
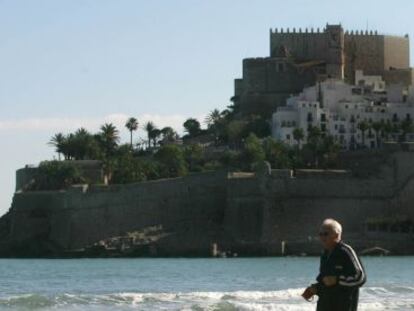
{"x":338,"y":108}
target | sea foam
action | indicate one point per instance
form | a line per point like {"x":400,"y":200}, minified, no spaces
{"x":372,"y":298}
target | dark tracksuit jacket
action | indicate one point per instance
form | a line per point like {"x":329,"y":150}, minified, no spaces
{"x":343,"y":263}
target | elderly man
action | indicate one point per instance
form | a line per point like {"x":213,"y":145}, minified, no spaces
{"x":341,"y":272}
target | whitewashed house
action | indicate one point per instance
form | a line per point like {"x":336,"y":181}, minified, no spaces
{"x":337,"y":109}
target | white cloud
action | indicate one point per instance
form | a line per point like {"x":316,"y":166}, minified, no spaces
{"x":62,"y":124}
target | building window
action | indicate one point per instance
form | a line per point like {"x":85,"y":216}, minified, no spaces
{"x":395,"y":118}
{"x":288,"y":136}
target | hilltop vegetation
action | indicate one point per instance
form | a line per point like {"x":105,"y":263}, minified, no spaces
{"x":227,"y":142}
{"x":162,"y":153}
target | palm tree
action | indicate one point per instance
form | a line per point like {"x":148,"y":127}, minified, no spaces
{"x":298,"y":135}
{"x":215,"y":121}
{"x":58,"y":141}
{"x":82,"y":132}
{"x":81,"y":141}
{"x":213,"y":118}
{"x":131,"y":125}
{"x":110,"y":133}
{"x":110,"y":137}
{"x":149,"y":128}
{"x":155,"y":134}
{"x":363,"y":127}
{"x":69,"y":146}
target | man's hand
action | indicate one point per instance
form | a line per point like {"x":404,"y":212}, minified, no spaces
{"x":329,"y":281}
{"x":309,"y":293}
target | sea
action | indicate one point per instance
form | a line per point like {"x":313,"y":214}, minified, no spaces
{"x":190,"y":284}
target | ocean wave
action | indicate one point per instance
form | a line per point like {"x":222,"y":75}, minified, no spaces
{"x":372,"y":298}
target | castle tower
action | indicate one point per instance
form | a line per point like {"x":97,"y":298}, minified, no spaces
{"x":335,"y":58}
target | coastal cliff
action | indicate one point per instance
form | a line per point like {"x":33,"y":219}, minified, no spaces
{"x":272,"y":213}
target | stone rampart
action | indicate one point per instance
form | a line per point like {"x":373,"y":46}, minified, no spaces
{"x":265,"y":213}
{"x":188,"y":209}
{"x":240,"y":212}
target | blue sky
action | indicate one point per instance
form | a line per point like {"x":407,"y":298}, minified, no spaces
{"x":71,"y":63}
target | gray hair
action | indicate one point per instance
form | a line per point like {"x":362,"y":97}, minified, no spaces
{"x":333,"y":225}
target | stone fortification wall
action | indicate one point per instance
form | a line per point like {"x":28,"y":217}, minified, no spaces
{"x":241,"y":212}
{"x":269,"y":82}
{"x":303,"y":45}
{"x":24,"y":176}
{"x":403,"y":77}
{"x":290,"y":209}
{"x":189,"y":210}
{"x":364,"y":52}
{"x":265,"y":75}
{"x":396,"y":52}
{"x":388,"y":56}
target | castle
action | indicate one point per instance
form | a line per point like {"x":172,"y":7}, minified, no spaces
{"x":301,"y":58}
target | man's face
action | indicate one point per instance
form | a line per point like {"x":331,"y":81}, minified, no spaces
{"x":328,"y":238}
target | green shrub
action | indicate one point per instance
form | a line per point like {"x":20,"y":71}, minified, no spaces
{"x":253,"y":151}
{"x":171,"y":161}
{"x":56,"y":175}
